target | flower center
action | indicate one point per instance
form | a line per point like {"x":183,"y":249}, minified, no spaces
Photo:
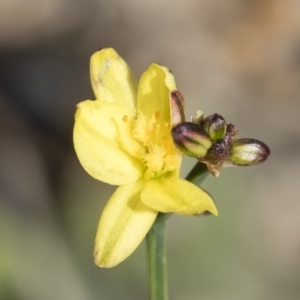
{"x":159,"y":153}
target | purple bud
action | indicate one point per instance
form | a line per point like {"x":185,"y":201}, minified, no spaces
{"x":215,"y":125}
{"x":177,"y":108}
{"x":248,"y":152}
{"x":231,"y":133}
{"x":191,"y":139}
{"x":218,"y":152}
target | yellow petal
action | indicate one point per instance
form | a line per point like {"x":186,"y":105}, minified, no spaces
{"x":112,"y":79}
{"x":123,"y":225}
{"x":178,"y":196}
{"x":153,"y":92}
{"x":99,"y":131}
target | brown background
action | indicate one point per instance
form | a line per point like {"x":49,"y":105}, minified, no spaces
{"x":238,"y":58}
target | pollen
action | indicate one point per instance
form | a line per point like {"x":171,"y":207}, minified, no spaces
{"x":155,"y":159}
{"x":155,"y":137}
{"x":143,"y":130}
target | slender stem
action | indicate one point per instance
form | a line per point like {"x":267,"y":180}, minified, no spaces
{"x":156,"y":243}
{"x":197,"y":174}
{"x":156,"y":240}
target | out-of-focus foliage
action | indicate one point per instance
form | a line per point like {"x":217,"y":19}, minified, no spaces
{"x":237,"y":58}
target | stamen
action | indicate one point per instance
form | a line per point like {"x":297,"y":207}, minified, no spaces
{"x":159,"y":152}
{"x":155,"y":158}
{"x":142,"y":130}
{"x":157,"y":134}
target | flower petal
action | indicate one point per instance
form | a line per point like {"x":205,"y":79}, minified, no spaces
{"x":112,"y":79}
{"x":99,"y":131}
{"x":178,"y":196}
{"x":123,"y":225}
{"x":153,"y":92}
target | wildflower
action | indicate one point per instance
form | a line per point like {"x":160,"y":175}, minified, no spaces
{"x":124,"y":138}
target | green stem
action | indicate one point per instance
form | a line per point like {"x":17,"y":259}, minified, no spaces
{"x":157,"y":257}
{"x":156,"y":243}
{"x":197,"y":174}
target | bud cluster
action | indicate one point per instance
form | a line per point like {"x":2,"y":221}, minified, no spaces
{"x":212,"y":141}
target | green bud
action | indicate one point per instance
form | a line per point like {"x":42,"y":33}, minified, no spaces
{"x":215,"y":125}
{"x":248,"y":152}
{"x":198,"y":117}
{"x":191,"y":139}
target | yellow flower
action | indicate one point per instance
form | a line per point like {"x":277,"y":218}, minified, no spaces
{"x":124,"y":138}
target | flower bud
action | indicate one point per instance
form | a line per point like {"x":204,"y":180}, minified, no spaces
{"x":215,"y":125}
{"x":248,"y":152}
{"x":231,"y":133}
{"x":218,"y":152}
{"x":177,"y":108}
{"x":198,"y":117}
{"x":191,"y":139}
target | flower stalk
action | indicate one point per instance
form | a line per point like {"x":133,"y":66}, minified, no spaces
{"x":157,"y":243}
{"x":157,"y":258}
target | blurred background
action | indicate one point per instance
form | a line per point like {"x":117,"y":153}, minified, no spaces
{"x":240,"y":59}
